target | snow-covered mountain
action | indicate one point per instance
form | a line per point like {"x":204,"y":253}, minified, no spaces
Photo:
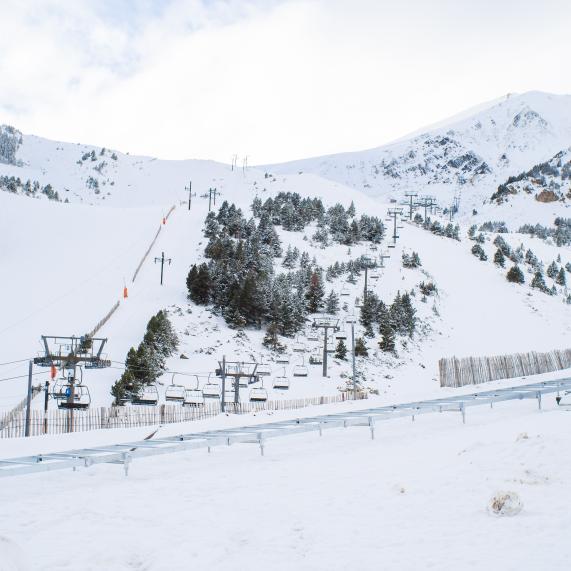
{"x":472,"y":153}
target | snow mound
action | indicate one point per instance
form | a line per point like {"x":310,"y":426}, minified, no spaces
{"x":505,"y":504}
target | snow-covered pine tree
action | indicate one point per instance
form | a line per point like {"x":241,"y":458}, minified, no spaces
{"x":515,"y":275}
{"x":361,"y":349}
{"x":552,"y":270}
{"x":341,"y":350}
{"x":332,"y":303}
{"x":499,"y":258}
{"x":538,"y":282}
{"x":314,"y":294}
{"x":561,"y":279}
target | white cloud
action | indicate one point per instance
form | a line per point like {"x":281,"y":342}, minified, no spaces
{"x":274,"y":80}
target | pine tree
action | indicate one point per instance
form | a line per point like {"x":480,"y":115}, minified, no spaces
{"x":387,"y":342}
{"x":361,"y":349}
{"x":271,"y":339}
{"x":560,"y":279}
{"x":200,"y":285}
{"x":314,"y":294}
{"x":538,"y":282}
{"x":515,"y":275}
{"x":332,"y":303}
{"x":478,"y":251}
{"x":369,"y":313}
{"x":499,"y":258}
{"x":552,"y":270}
{"x":341,"y":350}
{"x":351,"y":210}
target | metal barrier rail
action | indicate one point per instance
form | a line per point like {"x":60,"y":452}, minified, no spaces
{"x":124,"y":453}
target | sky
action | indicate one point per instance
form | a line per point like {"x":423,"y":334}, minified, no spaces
{"x":273,"y":80}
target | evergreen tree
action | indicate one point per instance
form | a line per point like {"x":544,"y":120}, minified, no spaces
{"x":314,"y":294}
{"x":499,"y":258}
{"x":369,"y":313}
{"x":515,"y":275}
{"x":387,"y":342}
{"x":199,"y":281}
{"x":271,"y":339}
{"x":552,"y":270}
{"x":361,"y":349}
{"x":341,"y":350}
{"x":332,"y":303}
{"x":538,"y":282}
{"x":560,"y":279}
{"x":478,"y":251}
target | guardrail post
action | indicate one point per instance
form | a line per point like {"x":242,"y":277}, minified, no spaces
{"x":261,"y":443}
{"x":372,"y":427}
{"x":463,"y":411}
{"x":539,"y":399}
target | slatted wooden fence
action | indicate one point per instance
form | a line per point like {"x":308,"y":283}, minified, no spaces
{"x":59,"y":422}
{"x":455,"y":372}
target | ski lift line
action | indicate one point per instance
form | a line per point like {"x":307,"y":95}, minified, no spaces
{"x":184,"y":374}
{"x":23,"y":376}
{"x":18,"y":361}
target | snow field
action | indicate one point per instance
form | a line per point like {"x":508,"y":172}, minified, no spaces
{"x":415,"y":497}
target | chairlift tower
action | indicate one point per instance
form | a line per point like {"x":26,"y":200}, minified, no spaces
{"x":212,"y":192}
{"x":394,"y":213}
{"x":190,"y":193}
{"x":236,"y":370}
{"x":426,"y":202}
{"x":162,"y":260}
{"x":325,"y":323}
{"x":68,"y":353}
{"x":410,"y":203}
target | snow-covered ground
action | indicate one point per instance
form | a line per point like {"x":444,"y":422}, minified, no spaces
{"x":414,"y":498}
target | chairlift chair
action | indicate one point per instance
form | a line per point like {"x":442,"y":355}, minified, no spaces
{"x":357,"y":302}
{"x":58,"y":389}
{"x":281,"y":382}
{"x":81,"y":398}
{"x":331,"y":347}
{"x":174,"y":392}
{"x":298,"y":346}
{"x":148,"y":395}
{"x":212,"y":389}
{"x":263,"y":369}
{"x":345,"y":292}
{"x":282,"y":359}
{"x":258,"y":394}
{"x":342,"y":333}
{"x":300,"y":370}
{"x":316,"y":358}
{"x":193,"y":397}
{"x":374,"y":275}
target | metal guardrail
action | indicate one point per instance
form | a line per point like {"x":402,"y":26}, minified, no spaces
{"x":258,"y":434}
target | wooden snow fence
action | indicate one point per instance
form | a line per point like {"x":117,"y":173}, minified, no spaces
{"x":455,"y":372}
{"x":151,"y":245}
{"x":13,"y":424}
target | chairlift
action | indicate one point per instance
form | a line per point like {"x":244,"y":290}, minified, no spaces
{"x":148,"y":395}
{"x":345,"y":292}
{"x":298,"y":346}
{"x":258,"y":394}
{"x":175,"y":392}
{"x":81,"y":398}
{"x":58,"y":389}
{"x":351,"y":318}
{"x":212,"y":389}
{"x":331,"y":347}
{"x":374,"y":275}
{"x":300,"y":370}
{"x":374,"y":247}
{"x":263,"y":369}
{"x":341,"y":334}
{"x":193,"y":397}
{"x":316,"y":358}
{"x":282,"y":359}
{"x":357,"y":302}
{"x":281,"y":382}
{"x":313,"y":335}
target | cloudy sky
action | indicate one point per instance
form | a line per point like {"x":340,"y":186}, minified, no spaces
{"x":272,"y":79}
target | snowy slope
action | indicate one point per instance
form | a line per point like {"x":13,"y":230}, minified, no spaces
{"x":413,"y":498}
{"x":69,"y":260}
{"x":471,"y":154}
